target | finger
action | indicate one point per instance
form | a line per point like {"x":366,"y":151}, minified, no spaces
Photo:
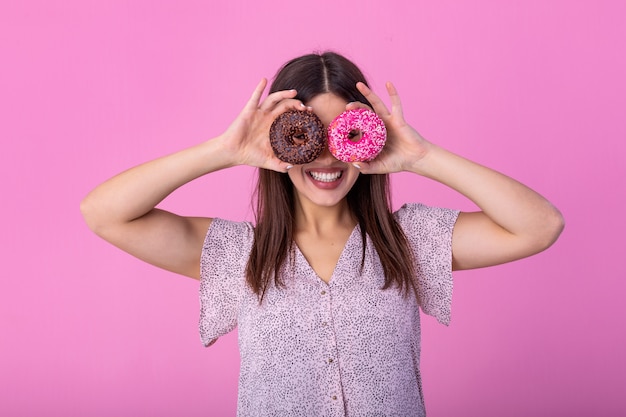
{"x":290,"y":104}
{"x":371,"y":167}
{"x":377,"y":104}
{"x":363,"y":167}
{"x":353,"y":105}
{"x":256,"y":95}
{"x":279,"y":166}
{"x":396,"y":104}
{"x":275,"y":98}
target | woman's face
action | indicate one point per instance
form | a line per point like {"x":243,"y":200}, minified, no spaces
{"x":326,"y":181}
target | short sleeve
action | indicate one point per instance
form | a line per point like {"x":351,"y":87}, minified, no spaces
{"x":429,"y":232}
{"x":223,"y":261}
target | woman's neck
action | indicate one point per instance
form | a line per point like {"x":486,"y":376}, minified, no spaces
{"x":316,"y":219}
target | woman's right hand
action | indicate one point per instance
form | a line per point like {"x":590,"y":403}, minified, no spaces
{"x":122,"y":210}
{"x":246,"y":141}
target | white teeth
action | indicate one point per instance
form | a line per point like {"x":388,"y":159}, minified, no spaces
{"x":325,"y":176}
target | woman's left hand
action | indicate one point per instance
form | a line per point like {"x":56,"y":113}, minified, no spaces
{"x":513,"y":222}
{"x":404,"y":146}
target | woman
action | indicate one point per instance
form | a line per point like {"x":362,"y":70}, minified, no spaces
{"x":325,"y":288}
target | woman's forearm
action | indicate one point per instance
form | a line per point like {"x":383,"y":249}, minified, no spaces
{"x":133,"y":193}
{"x":511,"y":205}
{"x":122,"y":210}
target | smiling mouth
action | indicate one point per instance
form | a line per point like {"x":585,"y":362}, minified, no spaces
{"x":325,"y":176}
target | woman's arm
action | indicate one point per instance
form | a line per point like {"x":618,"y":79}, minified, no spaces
{"x":514,"y":221}
{"x":122,"y":209}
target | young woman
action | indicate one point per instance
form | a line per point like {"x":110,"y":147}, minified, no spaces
{"x":325,"y":287}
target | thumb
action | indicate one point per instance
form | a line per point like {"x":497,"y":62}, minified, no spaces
{"x":276,"y":164}
{"x":362,"y":166}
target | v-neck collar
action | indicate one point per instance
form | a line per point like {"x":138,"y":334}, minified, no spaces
{"x":344,"y":253}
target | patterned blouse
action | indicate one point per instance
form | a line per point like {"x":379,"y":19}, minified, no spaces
{"x":346,"y":348}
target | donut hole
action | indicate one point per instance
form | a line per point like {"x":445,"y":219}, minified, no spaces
{"x":355,"y":135}
{"x":299,"y":137}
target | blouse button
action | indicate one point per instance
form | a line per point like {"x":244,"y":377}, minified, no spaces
{"x":334,"y":397}
{"x":324,"y":324}
{"x":330,"y":360}
{"x":323,"y":292}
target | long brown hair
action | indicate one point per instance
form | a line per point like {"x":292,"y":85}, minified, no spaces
{"x":369,"y":199}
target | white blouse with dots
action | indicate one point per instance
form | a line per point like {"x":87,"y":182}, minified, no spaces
{"x":346,"y":348}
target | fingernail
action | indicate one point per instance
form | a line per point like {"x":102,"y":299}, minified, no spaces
{"x":289,"y":167}
{"x":302,"y":105}
{"x":357,"y":166}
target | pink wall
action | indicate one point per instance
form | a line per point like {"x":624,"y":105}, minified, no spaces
{"x":534,"y":88}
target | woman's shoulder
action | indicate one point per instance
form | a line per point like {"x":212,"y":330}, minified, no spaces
{"x":224,"y":225}
{"x":228,"y":233}
{"x":429,"y":233}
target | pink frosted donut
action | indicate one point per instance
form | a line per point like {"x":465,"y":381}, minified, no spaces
{"x":356,"y":135}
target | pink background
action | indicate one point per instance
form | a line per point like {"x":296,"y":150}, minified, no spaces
{"x":533,"y":88}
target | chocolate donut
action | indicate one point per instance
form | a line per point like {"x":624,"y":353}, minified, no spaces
{"x":297,"y":137}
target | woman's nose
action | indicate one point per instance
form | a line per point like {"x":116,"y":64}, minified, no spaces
{"x":326,"y":155}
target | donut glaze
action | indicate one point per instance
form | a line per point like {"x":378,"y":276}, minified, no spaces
{"x":372,"y":131}
{"x":297,"y":137}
